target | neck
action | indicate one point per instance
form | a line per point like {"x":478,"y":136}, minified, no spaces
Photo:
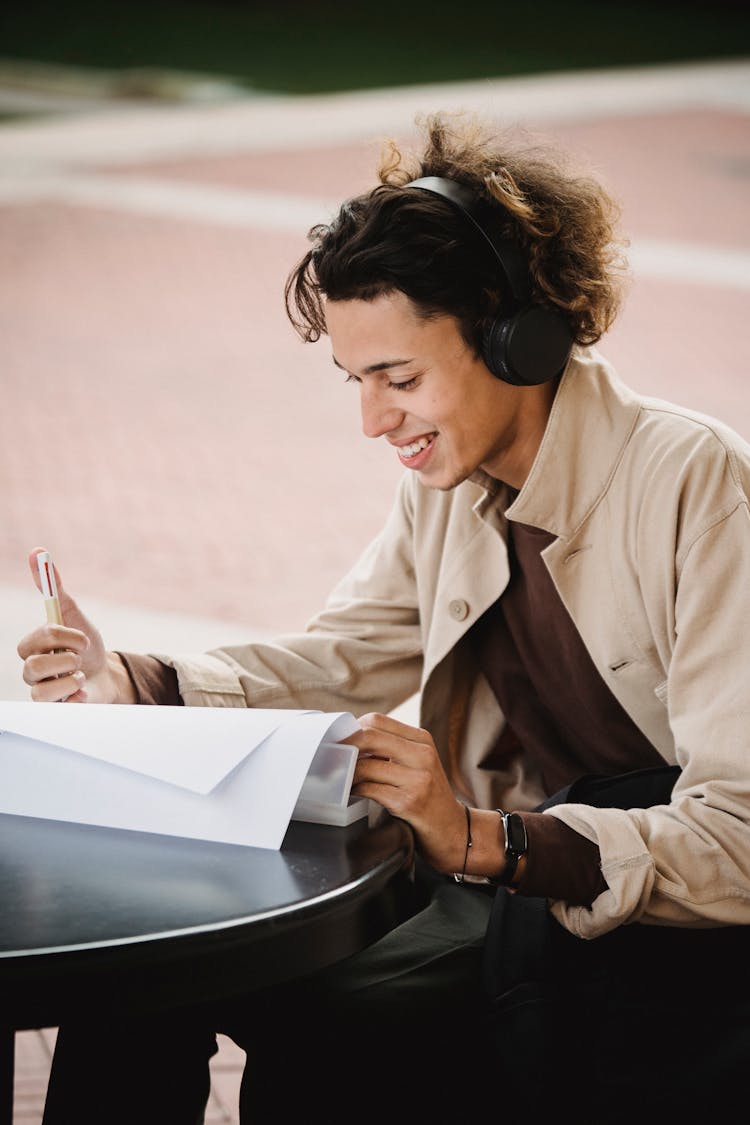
{"x":535,"y":404}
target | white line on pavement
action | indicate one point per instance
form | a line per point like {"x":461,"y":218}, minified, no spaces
{"x":688,"y":262}
{"x":277,"y":123}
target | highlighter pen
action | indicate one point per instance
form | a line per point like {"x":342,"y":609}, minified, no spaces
{"x":49,"y":588}
{"x":49,"y":591}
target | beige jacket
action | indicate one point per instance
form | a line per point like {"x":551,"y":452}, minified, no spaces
{"x":649,"y":503}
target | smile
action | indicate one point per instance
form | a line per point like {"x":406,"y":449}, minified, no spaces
{"x":407,"y":452}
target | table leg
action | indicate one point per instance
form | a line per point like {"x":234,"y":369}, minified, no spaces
{"x":7,"y":1066}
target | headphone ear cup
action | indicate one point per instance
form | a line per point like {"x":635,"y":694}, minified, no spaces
{"x":494,"y":349}
{"x":529,"y":348}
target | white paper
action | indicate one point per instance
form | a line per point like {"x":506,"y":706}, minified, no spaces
{"x":227,"y":774}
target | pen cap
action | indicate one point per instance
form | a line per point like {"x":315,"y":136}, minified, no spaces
{"x":49,"y":588}
{"x":46,"y":574}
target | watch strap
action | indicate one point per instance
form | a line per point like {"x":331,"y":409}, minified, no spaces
{"x":516,"y":845}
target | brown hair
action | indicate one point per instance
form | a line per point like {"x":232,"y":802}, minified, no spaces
{"x":394,"y":238}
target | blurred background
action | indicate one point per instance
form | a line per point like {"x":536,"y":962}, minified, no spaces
{"x":197,"y":472}
{"x":319,"y":46}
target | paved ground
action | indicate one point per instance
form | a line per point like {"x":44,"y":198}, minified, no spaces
{"x":197,"y":472}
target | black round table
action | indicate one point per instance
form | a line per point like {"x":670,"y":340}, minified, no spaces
{"x":94,"y":919}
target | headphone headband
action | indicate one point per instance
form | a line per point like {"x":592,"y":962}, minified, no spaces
{"x":507,"y":252}
{"x":530,"y":343}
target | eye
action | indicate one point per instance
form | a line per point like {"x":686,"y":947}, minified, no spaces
{"x":405,"y":386}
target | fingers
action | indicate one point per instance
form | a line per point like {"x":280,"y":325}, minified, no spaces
{"x":372,"y":770}
{"x":387,"y":737}
{"x":52,"y":663}
{"x":47,"y":638}
{"x":68,"y":688}
{"x":395,"y":755}
{"x":389,"y":725}
{"x":46,"y":665}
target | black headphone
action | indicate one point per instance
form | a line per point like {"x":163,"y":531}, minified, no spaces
{"x":531,"y":345}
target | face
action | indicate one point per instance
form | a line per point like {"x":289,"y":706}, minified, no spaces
{"x":424,"y":390}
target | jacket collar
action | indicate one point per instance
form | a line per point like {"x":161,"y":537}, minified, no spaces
{"x":590,"y":423}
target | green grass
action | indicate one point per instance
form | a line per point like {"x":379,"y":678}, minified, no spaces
{"x":297,"y":47}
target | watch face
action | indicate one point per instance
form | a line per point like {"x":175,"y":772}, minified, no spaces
{"x":516,"y":834}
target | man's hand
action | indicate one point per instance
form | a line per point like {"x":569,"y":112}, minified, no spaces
{"x":69,"y":662}
{"x":399,"y":768}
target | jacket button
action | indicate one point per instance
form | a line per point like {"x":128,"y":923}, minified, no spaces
{"x":458,"y":609}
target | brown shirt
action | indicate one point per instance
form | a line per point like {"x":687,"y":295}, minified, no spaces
{"x":559,"y":712}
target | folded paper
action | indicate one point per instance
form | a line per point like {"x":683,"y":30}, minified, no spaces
{"x":230,"y":774}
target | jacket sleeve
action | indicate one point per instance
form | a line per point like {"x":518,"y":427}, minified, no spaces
{"x":687,"y":863}
{"x":362,"y":653}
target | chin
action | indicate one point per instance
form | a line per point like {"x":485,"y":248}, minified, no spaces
{"x":442,"y":483}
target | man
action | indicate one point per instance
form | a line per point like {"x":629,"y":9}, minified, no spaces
{"x":564,"y":576}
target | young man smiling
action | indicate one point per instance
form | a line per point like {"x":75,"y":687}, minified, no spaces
{"x":433,"y":391}
{"x":564,"y":577}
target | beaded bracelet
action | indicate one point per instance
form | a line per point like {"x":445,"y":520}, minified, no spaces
{"x":462,"y":877}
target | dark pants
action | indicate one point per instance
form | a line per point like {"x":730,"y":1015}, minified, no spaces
{"x":374,"y":1038}
{"x":646,"y":1024}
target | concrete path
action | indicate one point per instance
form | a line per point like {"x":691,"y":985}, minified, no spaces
{"x":199,"y":474}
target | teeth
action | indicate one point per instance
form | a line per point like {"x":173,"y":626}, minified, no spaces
{"x":412,"y":450}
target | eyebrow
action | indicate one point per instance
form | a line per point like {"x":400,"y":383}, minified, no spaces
{"x":382,"y":365}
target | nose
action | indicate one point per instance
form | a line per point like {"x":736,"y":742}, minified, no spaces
{"x":379,"y":415}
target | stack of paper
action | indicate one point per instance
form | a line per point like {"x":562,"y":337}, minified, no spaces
{"x":231,"y":774}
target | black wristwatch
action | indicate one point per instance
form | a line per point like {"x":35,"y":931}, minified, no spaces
{"x":516,"y":846}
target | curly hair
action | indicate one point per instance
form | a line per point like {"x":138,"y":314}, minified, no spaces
{"x":395,"y":238}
